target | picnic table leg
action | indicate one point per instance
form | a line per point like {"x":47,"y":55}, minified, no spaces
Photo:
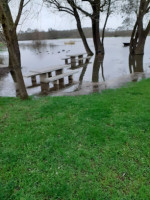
{"x":61,"y":81}
{"x":58,"y":72}
{"x":66,"y":61}
{"x":49,"y":74}
{"x":33,"y":79}
{"x":80,"y":61}
{"x":55,"y":85}
{"x":70,"y":78}
{"x":87,"y":60}
{"x":44,"y":85}
{"x":73,"y":61}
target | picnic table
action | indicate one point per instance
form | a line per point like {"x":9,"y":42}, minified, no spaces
{"x":46,"y":76}
{"x":76,"y":58}
{"x":73,"y":57}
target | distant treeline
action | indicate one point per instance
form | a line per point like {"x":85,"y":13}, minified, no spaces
{"x":57,"y":34}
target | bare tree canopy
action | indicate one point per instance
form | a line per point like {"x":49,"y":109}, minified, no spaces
{"x":91,"y":9}
{"x":137,"y":11}
{"x":70,"y":7}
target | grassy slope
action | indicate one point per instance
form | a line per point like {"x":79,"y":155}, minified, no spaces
{"x":87,"y":147}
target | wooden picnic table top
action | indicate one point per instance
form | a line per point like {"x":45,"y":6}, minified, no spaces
{"x":74,"y":55}
{"x":46,"y":70}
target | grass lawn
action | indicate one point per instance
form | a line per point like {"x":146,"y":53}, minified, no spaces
{"x":2,"y":46}
{"x":94,"y":147}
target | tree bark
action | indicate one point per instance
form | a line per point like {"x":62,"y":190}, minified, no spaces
{"x":99,"y":48}
{"x":9,"y":30}
{"x":79,"y":26}
{"x":138,"y":38}
{"x":82,"y":35}
{"x":98,"y":62}
{"x":139,"y":35}
{"x":136,"y":63}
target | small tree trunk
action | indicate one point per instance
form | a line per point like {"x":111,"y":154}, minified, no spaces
{"x":9,"y":30}
{"x":136,"y":63}
{"x":139,"y":50}
{"x":82,"y":35}
{"x":14,"y":55}
{"x":12,"y":70}
{"x":98,"y":62}
{"x":137,"y":42}
{"x":139,"y":35}
{"x":80,"y":30}
{"x":99,"y":48}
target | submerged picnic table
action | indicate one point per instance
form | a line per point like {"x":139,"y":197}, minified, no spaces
{"x":46,"y":76}
{"x":73,"y":57}
{"x":76,"y":58}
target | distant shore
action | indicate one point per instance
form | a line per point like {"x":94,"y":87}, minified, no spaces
{"x":63,"y":34}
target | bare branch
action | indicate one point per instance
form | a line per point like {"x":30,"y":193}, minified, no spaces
{"x":19,"y":12}
{"x":26,"y":3}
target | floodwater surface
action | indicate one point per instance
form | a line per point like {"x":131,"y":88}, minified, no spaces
{"x":110,"y":71}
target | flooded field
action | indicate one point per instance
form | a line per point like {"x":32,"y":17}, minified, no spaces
{"x":111,"y":71}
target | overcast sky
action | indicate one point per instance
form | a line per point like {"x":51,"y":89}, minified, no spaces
{"x":40,"y":17}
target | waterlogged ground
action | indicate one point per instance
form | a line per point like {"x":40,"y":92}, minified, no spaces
{"x":111,"y":71}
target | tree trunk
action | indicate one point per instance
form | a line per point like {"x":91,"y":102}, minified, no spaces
{"x":14,"y":54}
{"x":136,"y":63}
{"x":139,"y":50}
{"x":139,"y":35}
{"x":9,"y":30}
{"x":137,"y":42}
{"x":82,"y":35}
{"x":98,"y":62}
{"x":99,"y":48}
{"x":80,"y":30}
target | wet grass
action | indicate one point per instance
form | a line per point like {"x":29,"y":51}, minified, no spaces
{"x":94,"y":147}
{"x":2,"y":46}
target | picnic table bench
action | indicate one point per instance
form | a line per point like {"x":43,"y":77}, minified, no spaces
{"x":47,"y":70}
{"x":46,"y":76}
{"x":46,"y":80}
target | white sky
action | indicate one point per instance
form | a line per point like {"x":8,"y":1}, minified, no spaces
{"x":42,"y":18}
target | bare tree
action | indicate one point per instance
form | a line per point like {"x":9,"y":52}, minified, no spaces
{"x":70,"y":8}
{"x":9,"y":29}
{"x":140,"y":31}
{"x":97,"y":7}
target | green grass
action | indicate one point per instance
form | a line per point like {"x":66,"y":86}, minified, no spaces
{"x":2,"y":46}
{"x":94,"y":147}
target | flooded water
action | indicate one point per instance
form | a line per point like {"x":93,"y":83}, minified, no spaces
{"x":111,"y":71}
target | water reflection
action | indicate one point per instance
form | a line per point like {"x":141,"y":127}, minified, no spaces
{"x":3,"y":70}
{"x":1,"y":60}
{"x":38,"y":46}
{"x":136,"y":67}
{"x":84,"y":69}
{"x":97,"y":65}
